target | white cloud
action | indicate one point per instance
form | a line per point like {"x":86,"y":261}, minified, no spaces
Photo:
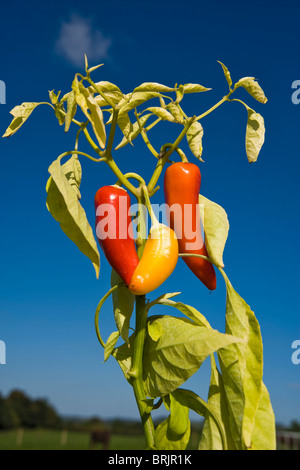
{"x":78,"y":37}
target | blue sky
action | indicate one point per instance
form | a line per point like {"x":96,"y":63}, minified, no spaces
{"x":49,"y":291}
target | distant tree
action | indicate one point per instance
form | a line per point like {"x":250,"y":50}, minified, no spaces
{"x":41,"y":414}
{"x":8,"y":417}
{"x":32,"y":413}
{"x":20,"y":403}
{"x":295,"y":426}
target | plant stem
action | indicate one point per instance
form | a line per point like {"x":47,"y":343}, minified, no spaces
{"x":210,"y":110}
{"x":139,"y":341}
{"x":145,"y":137}
{"x":161,"y":162}
{"x":137,"y":370}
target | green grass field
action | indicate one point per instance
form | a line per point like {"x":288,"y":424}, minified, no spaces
{"x":44,"y":439}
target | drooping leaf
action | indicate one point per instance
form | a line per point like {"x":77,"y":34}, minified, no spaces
{"x":20,"y":113}
{"x":63,"y":204}
{"x":194,"y":137}
{"x":179,"y":418}
{"x":175,"y":111}
{"x":136,"y":99}
{"x":71,"y":110}
{"x":241,"y":366}
{"x":58,"y":106}
{"x":194,"y":88}
{"x":264,"y":432}
{"x":110,"y":91}
{"x":178,"y":353}
{"x":110,"y":344}
{"x":211,"y":437}
{"x":84,"y":98}
{"x":253,"y":88}
{"x":123,"y":304}
{"x":226,"y":73}
{"x":107,"y":87}
{"x":255,"y":135}
{"x":216,"y":226}
{"x":152,"y":86}
{"x":135,"y":131}
{"x":194,"y":402}
{"x":161,"y":112}
{"x":73,"y":172}
{"x":180,"y":93}
{"x":174,"y":432}
{"x":123,"y":355}
{"x":54,"y":97}
{"x":112,"y":96}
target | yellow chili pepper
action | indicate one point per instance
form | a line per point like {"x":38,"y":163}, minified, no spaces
{"x":157,"y":262}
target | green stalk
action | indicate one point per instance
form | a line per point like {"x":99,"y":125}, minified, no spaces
{"x":139,"y":340}
{"x":137,"y":370}
{"x":162,"y":161}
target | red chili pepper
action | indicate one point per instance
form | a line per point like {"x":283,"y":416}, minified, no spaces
{"x":114,"y":230}
{"x":182,"y":186}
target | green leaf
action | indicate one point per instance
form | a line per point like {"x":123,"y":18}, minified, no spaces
{"x":178,"y":354}
{"x":54,"y":97}
{"x":180,"y":93}
{"x":58,"y":106}
{"x":60,"y":113}
{"x":161,"y":299}
{"x":73,"y":172}
{"x":108,"y":87}
{"x":194,"y":137}
{"x":112,"y":96}
{"x":95,"y":67}
{"x":123,"y":355}
{"x":241,"y":366}
{"x":123,"y":305}
{"x":152,"y":86}
{"x":213,"y":436}
{"x":253,"y":88}
{"x":125,"y":125}
{"x":135,"y":131}
{"x":20,"y":113}
{"x":174,"y":432}
{"x":187,"y":310}
{"x":216,"y":227}
{"x":71,"y":110}
{"x":136,"y":99}
{"x":110,"y":90}
{"x":110,"y":344}
{"x":161,"y":112}
{"x":179,"y":418}
{"x":264,"y":432}
{"x":63,"y":204}
{"x":226,"y":73}
{"x":91,"y":110}
{"x":191,"y":400}
{"x":154,"y":330}
{"x":255,"y":135}
{"x":164,"y":441}
{"x":194,"y":88}
{"x":175,"y":111}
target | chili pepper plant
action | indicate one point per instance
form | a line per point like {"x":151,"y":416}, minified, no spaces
{"x":163,"y":351}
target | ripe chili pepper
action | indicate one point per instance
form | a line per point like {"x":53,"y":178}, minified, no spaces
{"x":158,"y":260}
{"x":182,"y":186}
{"x":114,"y":230}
